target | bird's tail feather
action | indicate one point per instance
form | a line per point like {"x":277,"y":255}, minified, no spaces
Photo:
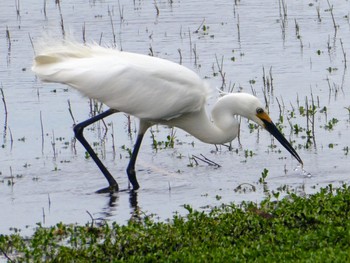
{"x":54,"y":56}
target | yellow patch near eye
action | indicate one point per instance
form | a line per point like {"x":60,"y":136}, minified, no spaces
{"x":264,"y":116}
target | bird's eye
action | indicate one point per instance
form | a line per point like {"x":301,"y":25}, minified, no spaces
{"x":259,"y":110}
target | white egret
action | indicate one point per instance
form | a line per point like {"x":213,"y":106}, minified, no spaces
{"x":152,"y":89}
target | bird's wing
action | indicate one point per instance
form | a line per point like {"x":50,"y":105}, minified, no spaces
{"x":143,"y":86}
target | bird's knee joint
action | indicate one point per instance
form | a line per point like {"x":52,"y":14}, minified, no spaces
{"x":78,"y":129}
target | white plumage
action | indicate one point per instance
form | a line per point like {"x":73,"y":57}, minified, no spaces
{"x":153,"y":89}
{"x":140,"y":85}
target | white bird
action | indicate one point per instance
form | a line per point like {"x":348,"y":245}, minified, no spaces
{"x":152,"y":89}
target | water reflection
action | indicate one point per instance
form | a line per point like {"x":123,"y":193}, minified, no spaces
{"x":113,"y":206}
{"x":133,"y":200}
{"x":113,"y":199}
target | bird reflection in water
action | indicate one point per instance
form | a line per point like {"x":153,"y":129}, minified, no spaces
{"x":110,"y":210}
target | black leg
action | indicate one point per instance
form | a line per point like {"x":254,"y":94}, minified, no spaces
{"x":78,"y":130}
{"x":131,"y":167}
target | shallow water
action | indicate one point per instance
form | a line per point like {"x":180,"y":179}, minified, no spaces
{"x":47,"y":179}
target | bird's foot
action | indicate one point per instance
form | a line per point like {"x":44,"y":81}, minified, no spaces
{"x":114,"y":189}
{"x":110,"y":189}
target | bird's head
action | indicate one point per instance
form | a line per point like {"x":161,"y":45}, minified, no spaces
{"x":263,"y":119}
{"x":251,"y":108}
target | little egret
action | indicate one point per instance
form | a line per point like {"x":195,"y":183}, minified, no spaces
{"x":152,"y":89}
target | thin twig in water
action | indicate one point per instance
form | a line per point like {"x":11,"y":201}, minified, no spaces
{"x":113,"y":143}
{"x":280,"y":108}
{"x":121,"y":12}
{"x":113,"y":31}
{"x":70,"y":112}
{"x":313,"y":119}
{"x":61,"y":16}
{"x":189,"y":36}
{"x":222,"y":74}
{"x":179,"y":50}
{"x":18,"y":8}
{"x":92,"y":219}
{"x":8,"y":37}
{"x":4,"y":102}
{"x":11,"y":138}
{"x":197,"y":30}
{"x":205,"y":160}
{"x":43,"y":209}
{"x":49,"y":200}
{"x":271,"y":80}
{"x":84,"y":33}
{"x":195,"y":54}
{"x":129,"y":124}
{"x":42,"y":133}
{"x":45,"y":9}
{"x":318,"y":13}
{"x":344,"y":54}
{"x":5,"y":108}
{"x":333,"y":19}
{"x":100,"y":40}
{"x":156,"y":6}
{"x":53,"y":143}
{"x":31,"y":42}
{"x":238,"y":30}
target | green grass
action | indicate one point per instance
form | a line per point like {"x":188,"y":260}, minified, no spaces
{"x":294,"y":229}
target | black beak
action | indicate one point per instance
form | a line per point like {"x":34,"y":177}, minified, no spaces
{"x":271,"y":127}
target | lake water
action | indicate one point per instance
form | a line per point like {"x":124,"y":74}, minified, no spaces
{"x":44,"y":175}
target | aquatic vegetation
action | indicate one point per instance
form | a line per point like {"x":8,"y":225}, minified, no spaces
{"x":168,"y":143}
{"x":290,"y":229}
{"x":263,"y":176}
{"x":330,"y":124}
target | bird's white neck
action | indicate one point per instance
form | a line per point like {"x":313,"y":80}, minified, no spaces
{"x":223,"y":128}
{"x":224,"y":125}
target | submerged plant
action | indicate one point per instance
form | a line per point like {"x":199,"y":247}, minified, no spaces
{"x":263,"y":176}
{"x":331,"y":123}
{"x":169,"y":143}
